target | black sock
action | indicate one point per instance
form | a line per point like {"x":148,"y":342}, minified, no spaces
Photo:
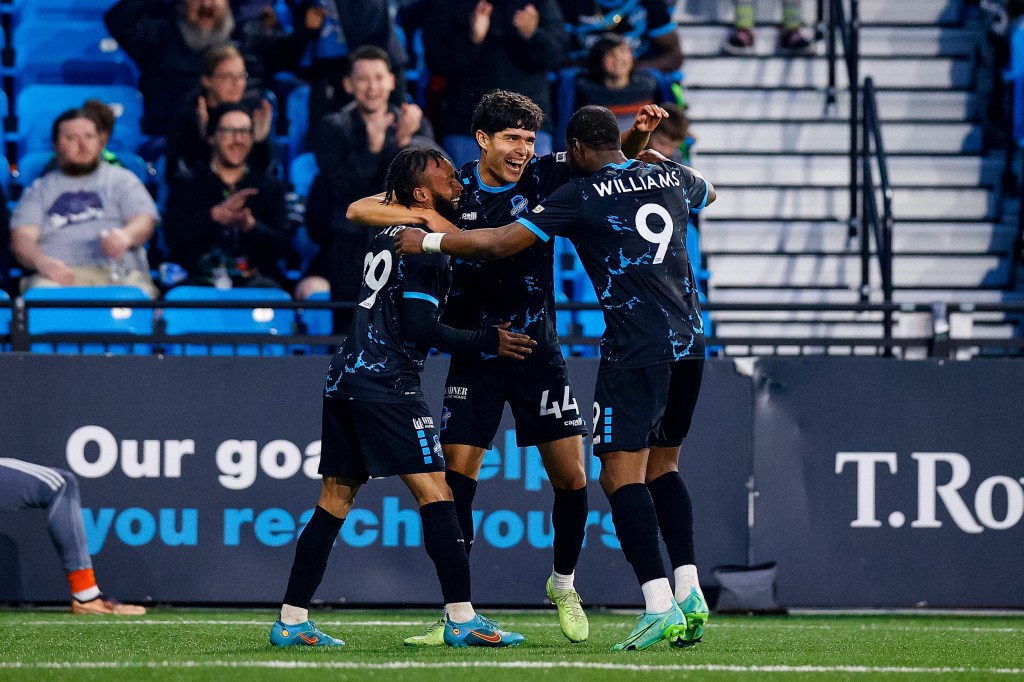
{"x":443,"y":542}
{"x":636,"y":524}
{"x":569,"y":521}
{"x":312,"y":551}
{"x":675,"y":517}
{"x":463,"y":490}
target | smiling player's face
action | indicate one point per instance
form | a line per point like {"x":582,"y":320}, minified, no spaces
{"x":444,"y":188}
{"x":504,"y":155}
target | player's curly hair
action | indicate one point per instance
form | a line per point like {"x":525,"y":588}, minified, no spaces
{"x":501,"y":109}
{"x":404,"y":173}
{"x":595,"y":127}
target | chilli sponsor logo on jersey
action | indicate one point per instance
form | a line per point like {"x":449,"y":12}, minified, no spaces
{"x":519,"y":204}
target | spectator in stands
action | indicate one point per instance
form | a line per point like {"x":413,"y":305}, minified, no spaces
{"x":612,"y":81}
{"x":353,"y":150}
{"x":105,"y":118}
{"x":344,"y":26}
{"x":479,"y":46}
{"x":672,"y":137}
{"x":167,"y":42}
{"x":224,"y":81}
{"x":87,"y":223}
{"x":226,"y":223}
{"x":791,"y":40}
{"x":24,"y":485}
{"x":644,"y":23}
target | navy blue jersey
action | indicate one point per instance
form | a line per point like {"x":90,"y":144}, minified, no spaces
{"x":628,"y":224}
{"x":519,"y":289}
{"x":376,"y":363}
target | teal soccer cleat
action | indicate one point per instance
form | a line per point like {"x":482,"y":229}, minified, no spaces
{"x":654,"y":627}
{"x":303,"y":634}
{"x":479,"y":631}
{"x":696,"y":611}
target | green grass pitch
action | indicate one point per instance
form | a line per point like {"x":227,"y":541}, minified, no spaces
{"x":225,"y":645}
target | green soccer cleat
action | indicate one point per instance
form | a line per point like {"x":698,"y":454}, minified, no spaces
{"x":571,"y":617}
{"x":696,"y":611}
{"x":303,"y":634}
{"x":479,"y":631}
{"x":652,"y":628}
{"x":433,"y":636}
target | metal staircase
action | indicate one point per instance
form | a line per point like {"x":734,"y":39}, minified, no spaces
{"x":780,"y":233}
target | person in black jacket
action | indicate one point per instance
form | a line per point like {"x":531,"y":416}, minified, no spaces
{"x":167,"y":42}
{"x":480,"y":46}
{"x":353,"y":149}
{"x":226,"y":223}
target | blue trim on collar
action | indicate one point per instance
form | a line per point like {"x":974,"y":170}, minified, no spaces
{"x":620,"y":166}
{"x":488,"y":188}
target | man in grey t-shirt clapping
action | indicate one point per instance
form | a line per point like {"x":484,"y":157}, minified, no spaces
{"x":86,"y":223}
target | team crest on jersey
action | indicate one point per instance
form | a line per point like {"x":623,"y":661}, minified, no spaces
{"x":519,"y":204}
{"x":538,"y":208}
{"x":560,"y":157}
{"x":420,"y":423}
{"x":469,"y":216}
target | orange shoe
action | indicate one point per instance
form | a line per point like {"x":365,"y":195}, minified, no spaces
{"x":105,"y":606}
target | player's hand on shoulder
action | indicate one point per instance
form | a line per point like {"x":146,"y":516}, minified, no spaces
{"x":651,"y":156}
{"x":513,"y":344}
{"x":648,"y":117}
{"x":409,"y":241}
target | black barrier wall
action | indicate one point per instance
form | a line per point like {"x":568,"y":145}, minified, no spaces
{"x":198,"y":473}
{"x":876,"y":483}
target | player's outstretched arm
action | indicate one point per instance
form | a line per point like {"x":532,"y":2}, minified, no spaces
{"x":375,"y":212}
{"x":484,"y":244}
{"x":636,"y":138}
{"x":421,"y":325}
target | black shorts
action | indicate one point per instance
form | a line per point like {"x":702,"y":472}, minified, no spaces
{"x":649,"y":406}
{"x":361,"y":439}
{"x":541,"y":400}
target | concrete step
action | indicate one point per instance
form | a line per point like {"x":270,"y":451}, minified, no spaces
{"x":812,"y":72}
{"x":855,"y":330}
{"x":812,"y":170}
{"x":720,"y":237}
{"x":833,"y":203}
{"x":844,"y":271}
{"x":886,"y":12}
{"x":729,"y":104}
{"x":919,"y":41}
{"x":833,"y":137}
{"x":776,"y":295}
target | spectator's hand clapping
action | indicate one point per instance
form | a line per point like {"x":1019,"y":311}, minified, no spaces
{"x":480,"y":23}
{"x":648,"y":117}
{"x":261,"y":120}
{"x":526,"y":21}
{"x":377,"y":130}
{"x":115,"y":243}
{"x":314,"y":18}
{"x":409,"y":124}
{"x":232,"y":211}
{"x":56,"y":270}
{"x":202,"y":114}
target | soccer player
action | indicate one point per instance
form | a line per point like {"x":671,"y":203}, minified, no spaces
{"x":627,"y":220}
{"x":24,"y":485}
{"x":376,"y":423}
{"x":507,"y":181}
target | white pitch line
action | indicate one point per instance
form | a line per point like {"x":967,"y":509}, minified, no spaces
{"x":521,"y":665}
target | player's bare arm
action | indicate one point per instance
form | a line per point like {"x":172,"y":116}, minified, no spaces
{"x":483,"y":244}
{"x":636,"y":138}
{"x":374,"y":211}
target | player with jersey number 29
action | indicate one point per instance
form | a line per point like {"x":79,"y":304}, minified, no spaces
{"x":627,"y":220}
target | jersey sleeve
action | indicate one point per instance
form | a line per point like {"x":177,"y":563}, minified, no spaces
{"x":695,"y":189}
{"x":553,"y":171}
{"x":558,"y":215}
{"x":423,"y":278}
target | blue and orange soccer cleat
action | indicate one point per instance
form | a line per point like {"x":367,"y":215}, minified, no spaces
{"x":303,"y":634}
{"x":479,"y":631}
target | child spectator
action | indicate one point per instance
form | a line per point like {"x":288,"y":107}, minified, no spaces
{"x":612,"y":81}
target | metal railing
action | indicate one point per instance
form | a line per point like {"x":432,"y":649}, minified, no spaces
{"x":930,"y":338}
{"x":873,"y":224}
{"x":848,"y":30}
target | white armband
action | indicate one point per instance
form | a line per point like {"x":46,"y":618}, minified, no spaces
{"x":432,"y":242}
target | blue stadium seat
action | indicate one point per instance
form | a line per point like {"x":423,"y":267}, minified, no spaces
{"x":80,"y":53}
{"x":302,"y":172}
{"x":60,"y":10}
{"x":98,"y":320}
{"x":227,"y":321}
{"x":297,"y":109}
{"x":39,"y":105}
{"x":5,"y":318}
{"x":318,"y":322}
{"x":5,"y":174}
{"x":31,"y":166}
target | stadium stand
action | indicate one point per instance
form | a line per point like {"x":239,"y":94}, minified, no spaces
{"x":220,"y":321}
{"x":38,"y":105}
{"x":121,"y":320}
